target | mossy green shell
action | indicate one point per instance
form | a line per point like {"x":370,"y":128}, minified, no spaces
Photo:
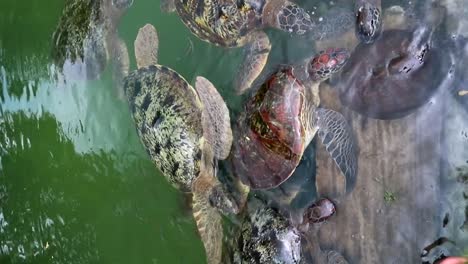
{"x":78,"y":27}
{"x":168,"y":117}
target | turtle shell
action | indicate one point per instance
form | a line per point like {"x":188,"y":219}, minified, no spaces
{"x":271,"y":136}
{"x":168,"y":117}
{"x":220,"y":23}
{"x":267,"y":237}
{"x":377,"y":81}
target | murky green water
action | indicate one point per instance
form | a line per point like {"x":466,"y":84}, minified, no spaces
{"x":76,"y":185}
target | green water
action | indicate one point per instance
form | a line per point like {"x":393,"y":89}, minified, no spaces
{"x":76,"y":185}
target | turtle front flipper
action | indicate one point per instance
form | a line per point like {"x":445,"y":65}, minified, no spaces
{"x":167,"y":6}
{"x":336,"y":135}
{"x":207,"y":218}
{"x":121,"y":65}
{"x":146,"y":46}
{"x":368,"y":20}
{"x":122,"y":4}
{"x":255,"y":58}
{"x":216,"y":122}
{"x":333,"y":24}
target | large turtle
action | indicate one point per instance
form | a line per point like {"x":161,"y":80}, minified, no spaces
{"x":185,"y":131}
{"x":401,"y":71}
{"x":232,"y":23}
{"x":282,"y":118}
{"x":86,"y":35}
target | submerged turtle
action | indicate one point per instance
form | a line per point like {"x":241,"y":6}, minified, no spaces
{"x":87,"y":34}
{"x":398,"y":73}
{"x":267,"y":236}
{"x":283,"y":117}
{"x":232,"y":23}
{"x":185,"y":131}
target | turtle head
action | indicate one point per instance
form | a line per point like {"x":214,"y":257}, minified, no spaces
{"x":368,"y":22}
{"x":326,"y":63}
{"x":319,"y":211}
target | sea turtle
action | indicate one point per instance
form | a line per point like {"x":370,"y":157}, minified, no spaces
{"x":86,"y":35}
{"x":232,"y":23}
{"x":401,"y":70}
{"x":266,"y":235}
{"x":282,"y":118}
{"x":185,"y":131}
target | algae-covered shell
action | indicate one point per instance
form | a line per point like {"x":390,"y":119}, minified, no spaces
{"x":267,"y":237}
{"x":168,"y":116}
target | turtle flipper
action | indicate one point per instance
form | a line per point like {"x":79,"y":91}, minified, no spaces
{"x":368,"y":20}
{"x":146,"y":46}
{"x":121,"y":65}
{"x":167,"y":6}
{"x":333,"y":24}
{"x":255,"y":58}
{"x":122,"y":4}
{"x":207,"y":218}
{"x":336,"y":135}
{"x":216,"y":125}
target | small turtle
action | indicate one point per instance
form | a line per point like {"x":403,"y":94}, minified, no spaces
{"x":232,"y":23}
{"x":282,"y":118}
{"x":398,"y":73}
{"x":185,"y":131}
{"x":87,"y":35}
{"x":266,"y":236}
{"x":368,"y":20}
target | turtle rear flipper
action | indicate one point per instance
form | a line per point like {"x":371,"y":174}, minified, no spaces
{"x":255,"y":58}
{"x":207,"y":218}
{"x":146,"y":46}
{"x":336,"y":135}
{"x":216,"y":123}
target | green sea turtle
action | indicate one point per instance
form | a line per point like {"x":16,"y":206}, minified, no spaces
{"x":269,"y":235}
{"x":282,"y":118}
{"x":185,"y":131}
{"x":232,"y":23}
{"x":86,"y":35}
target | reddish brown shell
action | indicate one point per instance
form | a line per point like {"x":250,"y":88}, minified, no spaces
{"x":319,"y":211}
{"x":271,"y":136}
